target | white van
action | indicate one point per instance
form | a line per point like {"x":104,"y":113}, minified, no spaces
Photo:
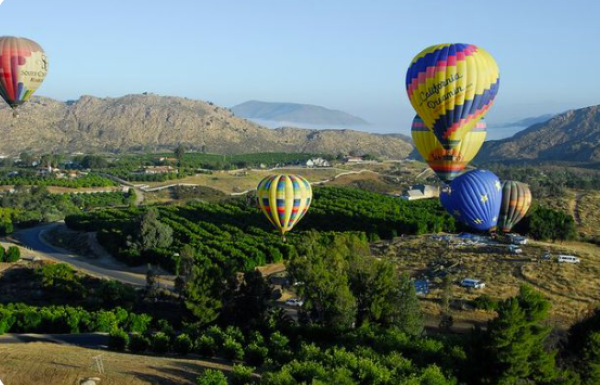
{"x":568,"y":259}
{"x":474,"y":283}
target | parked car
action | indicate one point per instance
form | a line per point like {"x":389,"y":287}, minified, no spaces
{"x":568,"y":259}
{"x":515,"y":249}
{"x":547,"y":257}
{"x":295,"y":302}
{"x":472,"y":283}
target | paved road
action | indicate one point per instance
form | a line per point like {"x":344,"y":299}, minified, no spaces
{"x":32,"y":239}
{"x":87,"y":340}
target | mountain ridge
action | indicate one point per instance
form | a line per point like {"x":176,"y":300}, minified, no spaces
{"x":149,"y":122}
{"x":296,"y":113}
{"x":572,"y":136}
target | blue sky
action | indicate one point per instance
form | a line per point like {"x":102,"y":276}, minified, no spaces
{"x":345,"y":54}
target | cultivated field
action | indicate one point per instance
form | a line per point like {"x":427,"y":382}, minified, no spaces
{"x":51,"y":364}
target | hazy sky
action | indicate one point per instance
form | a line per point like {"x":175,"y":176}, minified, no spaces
{"x":345,"y":54}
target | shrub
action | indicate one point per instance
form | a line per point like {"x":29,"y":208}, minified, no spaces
{"x":182,"y":344}
{"x":118,"y":340}
{"x":160,"y":342}
{"x":485,"y":303}
{"x":138,"y":343}
{"x":13,"y":254}
{"x":256,"y":355}
{"x":211,"y":377}
{"x":241,"y":375}
{"x":206,"y":346}
{"x":232,"y":350}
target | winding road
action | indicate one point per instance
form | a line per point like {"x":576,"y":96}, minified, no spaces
{"x":109,"y":269}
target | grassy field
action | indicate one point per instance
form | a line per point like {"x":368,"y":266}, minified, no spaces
{"x":237,"y":181}
{"x":50,"y":364}
{"x":573,"y":289}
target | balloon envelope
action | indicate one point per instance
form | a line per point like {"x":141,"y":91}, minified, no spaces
{"x":474,"y":199}
{"x":23,"y":67}
{"x":451,"y":87}
{"x":284,"y":199}
{"x":447,"y":163}
{"x":516,"y":201}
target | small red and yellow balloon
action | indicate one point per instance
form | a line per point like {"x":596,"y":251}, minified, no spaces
{"x":23,"y":68}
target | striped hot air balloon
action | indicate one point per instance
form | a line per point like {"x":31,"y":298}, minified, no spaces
{"x":516,"y":201}
{"x":451,"y":87}
{"x":447,"y":163}
{"x":474,"y":199}
{"x":284,"y":199}
{"x":23,"y":68}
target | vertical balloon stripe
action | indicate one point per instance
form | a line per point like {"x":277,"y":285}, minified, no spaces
{"x":516,"y":201}
{"x":284,"y":199}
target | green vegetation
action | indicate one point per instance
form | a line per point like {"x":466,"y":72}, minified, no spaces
{"x":237,"y":237}
{"x":11,"y":255}
{"x":21,"y":318}
{"x":548,"y":182}
{"x":545,"y":223}
{"x":32,"y":178}
{"x":27,"y":206}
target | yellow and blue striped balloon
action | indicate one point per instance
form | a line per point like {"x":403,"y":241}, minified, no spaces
{"x":447,"y":163}
{"x":451,"y":87}
{"x":284,"y":199}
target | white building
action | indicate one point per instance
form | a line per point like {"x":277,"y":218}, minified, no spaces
{"x":421,"y":191}
{"x":317,"y":162}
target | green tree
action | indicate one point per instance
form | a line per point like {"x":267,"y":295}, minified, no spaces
{"x":515,"y":340}
{"x":179,"y":154}
{"x":591,"y":360}
{"x":248,"y":303}
{"x":13,"y":254}
{"x":211,"y":377}
{"x":202,"y":292}
{"x":327,"y":296}
{"x":154,"y":234}
{"x":151,"y":282}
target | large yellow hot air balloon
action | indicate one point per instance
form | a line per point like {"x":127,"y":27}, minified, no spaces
{"x":447,"y":164}
{"x":451,"y":87}
{"x":23,"y":67}
{"x":284,"y":199}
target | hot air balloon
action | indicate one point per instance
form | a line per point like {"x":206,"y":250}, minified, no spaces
{"x":516,"y":200}
{"x":23,"y":67}
{"x":474,"y":199}
{"x":451,"y":87}
{"x":284,"y":199}
{"x":447,"y":164}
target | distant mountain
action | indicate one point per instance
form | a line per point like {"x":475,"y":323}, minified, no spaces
{"x":296,"y":113}
{"x":525,"y":122}
{"x":573,"y":136}
{"x":150,"y":122}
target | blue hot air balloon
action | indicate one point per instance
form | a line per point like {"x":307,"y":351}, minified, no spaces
{"x":474,"y":199}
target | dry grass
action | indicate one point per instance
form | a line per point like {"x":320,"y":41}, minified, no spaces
{"x":573,"y":289}
{"x":50,"y":364}
{"x":588,"y":212}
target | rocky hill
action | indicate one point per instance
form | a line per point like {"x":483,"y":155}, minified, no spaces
{"x":296,"y":113}
{"x":573,"y":136}
{"x":151,"y":122}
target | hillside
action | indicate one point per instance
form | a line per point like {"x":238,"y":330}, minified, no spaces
{"x":151,"y":122}
{"x":296,"y":113}
{"x":573,"y":136}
